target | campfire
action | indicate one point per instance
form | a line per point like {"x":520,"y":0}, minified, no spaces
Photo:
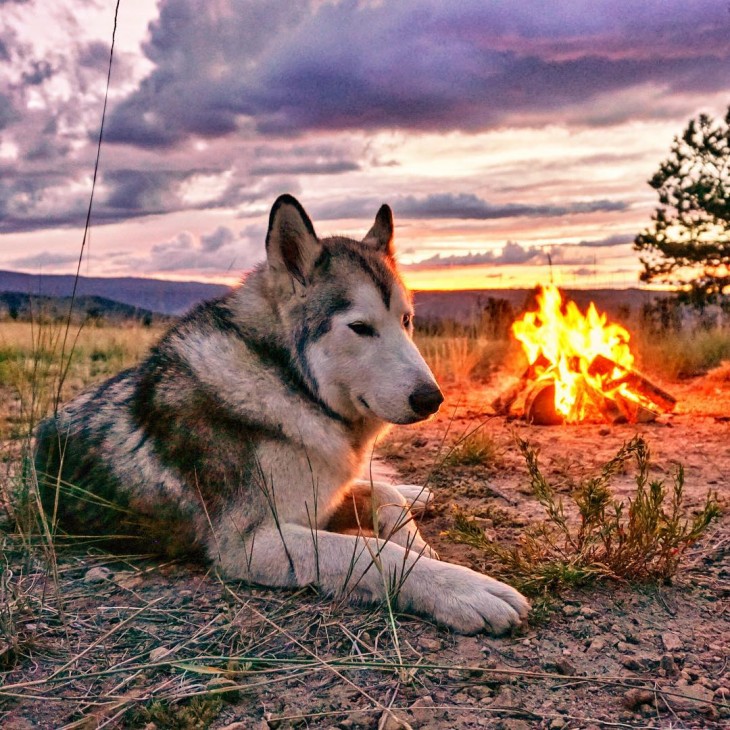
{"x":580,"y":369}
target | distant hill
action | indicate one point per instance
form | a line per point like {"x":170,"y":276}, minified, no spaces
{"x":27,"y":307}
{"x":155,"y":295}
{"x":176,"y":297}
{"x":465,"y":306}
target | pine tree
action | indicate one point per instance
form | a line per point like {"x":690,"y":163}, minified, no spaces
{"x":688,"y":243}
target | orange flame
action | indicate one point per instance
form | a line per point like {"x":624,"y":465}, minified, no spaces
{"x":561,"y":343}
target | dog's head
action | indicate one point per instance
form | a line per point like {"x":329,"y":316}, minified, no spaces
{"x":350,"y":317}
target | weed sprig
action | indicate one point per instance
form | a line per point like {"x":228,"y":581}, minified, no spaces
{"x":641,"y":540}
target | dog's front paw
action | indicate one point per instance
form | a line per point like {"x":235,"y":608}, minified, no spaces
{"x":418,"y":498}
{"x":470,"y":602}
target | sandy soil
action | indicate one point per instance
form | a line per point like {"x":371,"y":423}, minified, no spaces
{"x":132,"y":630}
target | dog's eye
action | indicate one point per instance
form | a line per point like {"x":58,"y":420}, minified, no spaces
{"x":362,"y":329}
{"x":407,"y":320}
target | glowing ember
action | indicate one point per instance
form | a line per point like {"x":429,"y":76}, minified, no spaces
{"x":586,"y":361}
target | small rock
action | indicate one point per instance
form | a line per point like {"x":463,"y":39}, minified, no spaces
{"x":601,"y":432}
{"x":159,"y":653}
{"x":513,"y":724}
{"x":588,"y":612}
{"x":565,"y":667}
{"x":631,"y":663}
{"x":634,"y":698}
{"x":422,"y":710}
{"x":721,"y":694}
{"x":429,"y":644}
{"x":623,"y":647}
{"x":557,"y":723}
{"x":390,"y":721}
{"x":571,"y":610}
{"x":597,"y":644}
{"x":668,"y":664}
{"x":480,"y":692}
{"x":506,"y":697}
{"x":97,"y":575}
{"x":696,"y":697}
{"x":671,"y":641}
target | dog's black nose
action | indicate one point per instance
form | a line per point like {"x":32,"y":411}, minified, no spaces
{"x":426,"y":399}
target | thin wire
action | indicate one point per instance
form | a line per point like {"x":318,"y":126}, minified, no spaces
{"x":87,"y":225}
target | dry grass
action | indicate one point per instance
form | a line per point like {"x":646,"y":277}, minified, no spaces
{"x":642,"y":540}
{"x":461,"y":359}
{"x":683,"y":354}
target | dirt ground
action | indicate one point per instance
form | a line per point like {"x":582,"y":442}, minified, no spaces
{"x":136,"y":643}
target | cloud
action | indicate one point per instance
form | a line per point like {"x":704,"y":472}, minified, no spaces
{"x":419,"y":65}
{"x":465,"y":206}
{"x":511,"y":253}
{"x":216,"y":240}
{"x":616,"y":240}
{"x":217,"y":252}
{"x":45,"y":258}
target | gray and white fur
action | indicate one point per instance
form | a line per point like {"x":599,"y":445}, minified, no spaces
{"x":242,"y":435}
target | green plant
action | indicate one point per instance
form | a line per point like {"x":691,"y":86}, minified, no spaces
{"x":197,"y":714}
{"x":476,"y":448}
{"x":643,"y":540}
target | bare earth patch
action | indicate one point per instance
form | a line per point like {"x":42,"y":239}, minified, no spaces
{"x":133,"y":642}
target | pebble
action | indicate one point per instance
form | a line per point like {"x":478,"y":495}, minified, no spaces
{"x":634,"y":698}
{"x":668,"y":664}
{"x":422,"y":710}
{"x":557,"y":723}
{"x":97,"y":575}
{"x":597,"y":644}
{"x":571,"y":610}
{"x":671,"y":641}
{"x":563,"y":666}
{"x":159,"y":653}
{"x":390,"y":721}
{"x":588,"y":612}
{"x":429,"y":644}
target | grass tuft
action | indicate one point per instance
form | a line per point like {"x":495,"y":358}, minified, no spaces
{"x":476,"y":448}
{"x":639,"y":541}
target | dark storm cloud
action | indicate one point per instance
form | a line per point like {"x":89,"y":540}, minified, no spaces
{"x":216,"y":240}
{"x":616,"y":240}
{"x":465,"y":206}
{"x":416,"y":64}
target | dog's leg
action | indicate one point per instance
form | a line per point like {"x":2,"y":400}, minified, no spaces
{"x":419,"y":498}
{"x":380,"y":509}
{"x":364,"y":568}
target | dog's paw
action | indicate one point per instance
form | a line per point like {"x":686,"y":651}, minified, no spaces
{"x":418,"y":498}
{"x":470,"y":602}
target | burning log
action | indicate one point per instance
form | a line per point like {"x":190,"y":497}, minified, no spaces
{"x":540,"y":405}
{"x":635,"y":382}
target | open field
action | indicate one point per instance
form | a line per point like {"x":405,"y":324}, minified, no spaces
{"x":89,"y":639}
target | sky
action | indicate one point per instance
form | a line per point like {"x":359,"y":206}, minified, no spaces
{"x":513,"y":139}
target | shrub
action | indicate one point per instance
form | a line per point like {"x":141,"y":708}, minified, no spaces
{"x":643,"y":540}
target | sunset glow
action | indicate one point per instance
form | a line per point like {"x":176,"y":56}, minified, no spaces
{"x":512,"y":145}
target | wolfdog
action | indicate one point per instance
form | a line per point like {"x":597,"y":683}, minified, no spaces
{"x":242,"y":435}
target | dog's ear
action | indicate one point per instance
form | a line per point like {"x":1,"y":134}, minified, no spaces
{"x":291,"y":243}
{"x":380,"y":236}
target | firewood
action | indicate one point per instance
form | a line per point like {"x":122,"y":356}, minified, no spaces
{"x":635,"y":381}
{"x":540,"y":405}
{"x":632,"y":411}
